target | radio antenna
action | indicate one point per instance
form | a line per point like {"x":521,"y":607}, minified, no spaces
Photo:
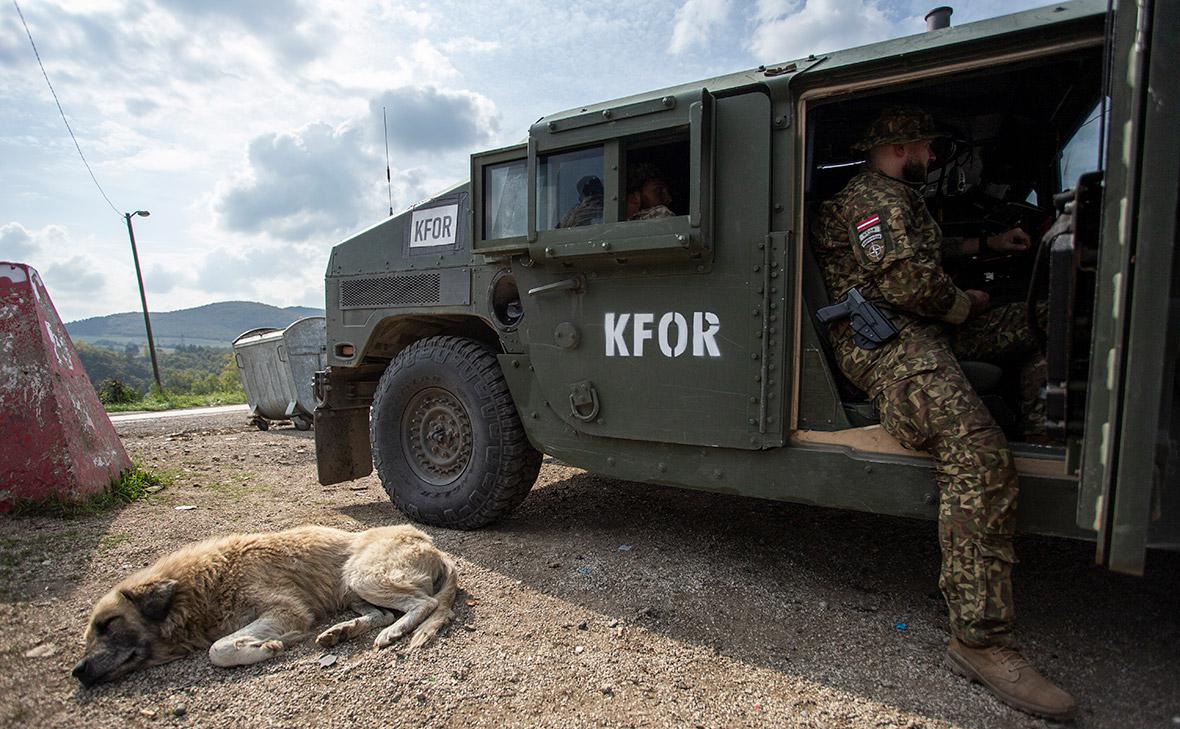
{"x":388,"y":177}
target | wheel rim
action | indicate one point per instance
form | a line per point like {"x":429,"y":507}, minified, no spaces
{"x":436,"y":436}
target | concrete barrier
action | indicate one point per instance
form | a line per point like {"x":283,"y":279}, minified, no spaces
{"x":55,"y":436}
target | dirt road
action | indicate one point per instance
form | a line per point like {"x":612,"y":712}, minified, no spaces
{"x":598,"y":603}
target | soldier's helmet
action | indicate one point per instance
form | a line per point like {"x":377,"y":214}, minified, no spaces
{"x":898,"y":125}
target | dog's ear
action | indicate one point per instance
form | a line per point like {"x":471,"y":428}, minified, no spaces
{"x":154,"y":600}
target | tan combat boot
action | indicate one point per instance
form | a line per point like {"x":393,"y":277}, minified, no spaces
{"x":1011,"y":679}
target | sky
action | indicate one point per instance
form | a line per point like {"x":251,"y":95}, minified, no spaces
{"x":252,"y":131}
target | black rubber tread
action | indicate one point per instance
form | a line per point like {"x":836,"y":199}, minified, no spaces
{"x":490,"y":487}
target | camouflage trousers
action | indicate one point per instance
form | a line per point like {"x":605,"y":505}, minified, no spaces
{"x":1001,"y":336}
{"x":929,"y":404}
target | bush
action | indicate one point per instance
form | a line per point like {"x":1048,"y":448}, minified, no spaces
{"x":114,"y":392}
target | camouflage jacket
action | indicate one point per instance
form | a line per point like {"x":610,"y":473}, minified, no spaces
{"x":878,"y":236}
{"x":655,"y":211}
{"x":587,"y":212}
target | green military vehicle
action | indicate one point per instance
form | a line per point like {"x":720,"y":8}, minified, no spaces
{"x":481,"y":327}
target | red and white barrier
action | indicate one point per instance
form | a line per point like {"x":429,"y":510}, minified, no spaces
{"x":55,"y":436}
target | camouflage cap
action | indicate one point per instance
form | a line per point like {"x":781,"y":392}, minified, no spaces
{"x":640,"y":173}
{"x":898,"y":125}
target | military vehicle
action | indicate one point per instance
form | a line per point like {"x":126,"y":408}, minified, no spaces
{"x":482,"y":327}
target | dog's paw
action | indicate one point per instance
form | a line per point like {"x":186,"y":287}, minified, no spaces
{"x":330,"y":637}
{"x":387,"y":637}
{"x":248,"y":643}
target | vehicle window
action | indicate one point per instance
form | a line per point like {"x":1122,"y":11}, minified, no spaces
{"x":656,"y":181}
{"x":1081,"y":153}
{"x":505,"y":202}
{"x":570,"y":189}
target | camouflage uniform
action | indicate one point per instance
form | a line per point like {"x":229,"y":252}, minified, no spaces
{"x":587,"y":212}
{"x":655,"y":211}
{"x":878,"y":236}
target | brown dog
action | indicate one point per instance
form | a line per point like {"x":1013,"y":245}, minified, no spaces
{"x":247,"y":597}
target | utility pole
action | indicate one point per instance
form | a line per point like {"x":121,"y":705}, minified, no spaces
{"x":147,"y":322}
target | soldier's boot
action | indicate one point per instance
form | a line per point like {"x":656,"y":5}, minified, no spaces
{"x":1005,"y":672}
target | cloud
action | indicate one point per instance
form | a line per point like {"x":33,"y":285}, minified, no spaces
{"x":16,"y":243}
{"x":75,"y":276}
{"x":467,"y":44}
{"x":160,"y":280}
{"x":694,"y":20}
{"x":323,"y":181}
{"x":311,"y":182}
{"x":140,"y":106}
{"x":431,"y":119}
{"x":280,"y":24}
{"x":260,"y":269}
{"x":788,"y":30}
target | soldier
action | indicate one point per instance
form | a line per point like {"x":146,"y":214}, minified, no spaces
{"x":878,"y":236}
{"x":588,"y":211}
{"x":647,"y":193}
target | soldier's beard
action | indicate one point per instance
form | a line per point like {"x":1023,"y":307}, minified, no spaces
{"x":914,"y":171}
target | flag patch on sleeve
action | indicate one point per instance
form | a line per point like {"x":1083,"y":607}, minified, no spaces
{"x":871,"y":238}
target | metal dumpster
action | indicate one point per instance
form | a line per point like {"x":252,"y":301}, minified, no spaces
{"x":277,"y":366}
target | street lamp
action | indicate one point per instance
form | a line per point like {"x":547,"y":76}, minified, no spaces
{"x":147,"y":322}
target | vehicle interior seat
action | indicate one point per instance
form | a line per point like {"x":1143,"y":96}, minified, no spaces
{"x":985,"y":377}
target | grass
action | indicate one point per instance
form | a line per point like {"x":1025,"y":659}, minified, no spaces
{"x":239,"y":486}
{"x":110,"y":541}
{"x":134,"y":484}
{"x":170,"y":401}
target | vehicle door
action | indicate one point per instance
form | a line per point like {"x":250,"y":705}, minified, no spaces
{"x":1129,"y":480}
{"x":655,"y":329}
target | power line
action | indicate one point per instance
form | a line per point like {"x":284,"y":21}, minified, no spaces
{"x":62,"y":111}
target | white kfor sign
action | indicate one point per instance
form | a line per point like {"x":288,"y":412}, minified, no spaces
{"x":434,"y":226}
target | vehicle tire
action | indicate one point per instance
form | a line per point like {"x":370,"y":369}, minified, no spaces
{"x":447,"y":440}
{"x":301,"y":423}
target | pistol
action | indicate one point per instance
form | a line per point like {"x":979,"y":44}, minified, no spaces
{"x":871,"y":328}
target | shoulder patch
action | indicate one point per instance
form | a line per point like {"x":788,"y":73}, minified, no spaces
{"x":870,"y":236}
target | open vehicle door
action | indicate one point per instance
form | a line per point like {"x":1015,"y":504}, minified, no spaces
{"x":1130,"y":479}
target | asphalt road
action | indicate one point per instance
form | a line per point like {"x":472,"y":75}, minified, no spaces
{"x":187,"y":413}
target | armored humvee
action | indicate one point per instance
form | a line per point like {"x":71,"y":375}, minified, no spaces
{"x":480,"y":328}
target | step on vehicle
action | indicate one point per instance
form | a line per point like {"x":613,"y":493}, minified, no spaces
{"x":524,"y":312}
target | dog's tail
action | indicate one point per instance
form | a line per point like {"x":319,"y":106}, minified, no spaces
{"x":442,"y":614}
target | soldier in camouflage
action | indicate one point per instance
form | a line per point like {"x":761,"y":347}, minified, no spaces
{"x":878,"y":236}
{"x":588,"y":211}
{"x":647,"y":193}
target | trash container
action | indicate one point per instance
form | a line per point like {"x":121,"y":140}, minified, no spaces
{"x":277,"y":367}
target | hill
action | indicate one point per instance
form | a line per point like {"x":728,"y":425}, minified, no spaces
{"x":211,"y":325}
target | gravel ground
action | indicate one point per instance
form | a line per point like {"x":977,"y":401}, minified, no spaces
{"x":598,"y":603}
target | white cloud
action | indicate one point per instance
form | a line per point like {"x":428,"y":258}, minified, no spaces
{"x":694,"y":19}
{"x":314,"y":181}
{"x":793,"y":30}
{"x":16,"y":243}
{"x":426,"y":118}
{"x":75,"y":276}
{"x":467,"y":44}
{"x":160,"y":280}
{"x":321,"y":181}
